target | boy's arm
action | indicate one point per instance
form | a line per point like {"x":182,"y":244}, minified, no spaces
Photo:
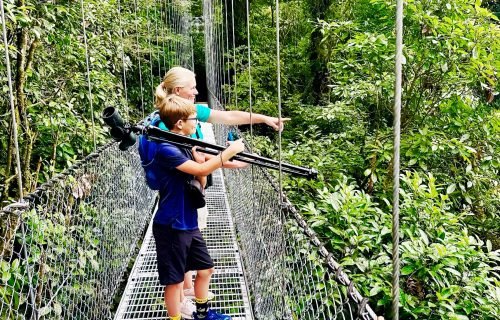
{"x":234,"y":164}
{"x":206,"y":168}
{"x":199,"y":158}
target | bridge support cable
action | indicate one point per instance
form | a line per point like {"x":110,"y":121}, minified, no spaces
{"x":13,"y":222}
{"x":395,"y":172}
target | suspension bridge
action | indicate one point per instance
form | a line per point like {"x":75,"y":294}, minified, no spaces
{"x":70,"y":249}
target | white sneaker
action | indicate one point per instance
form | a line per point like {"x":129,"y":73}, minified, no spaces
{"x":187,"y":308}
{"x":189,"y":293}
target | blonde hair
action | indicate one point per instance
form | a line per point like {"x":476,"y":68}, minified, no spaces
{"x":174,"y":108}
{"x":175,"y":77}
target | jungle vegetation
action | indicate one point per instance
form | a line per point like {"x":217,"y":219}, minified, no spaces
{"x":337,"y":84}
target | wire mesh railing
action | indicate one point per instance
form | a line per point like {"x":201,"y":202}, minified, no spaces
{"x":289,"y":272}
{"x":64,"y":253}
{"x":65,"y":249}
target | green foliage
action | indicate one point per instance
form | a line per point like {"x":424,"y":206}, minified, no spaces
{"x":128,"y":53}
{"x":449,"y":144}
{"x":445,"y":271}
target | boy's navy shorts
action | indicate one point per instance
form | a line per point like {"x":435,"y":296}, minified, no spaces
{"x":179,"y":251}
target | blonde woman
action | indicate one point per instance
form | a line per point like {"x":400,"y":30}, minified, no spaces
{"x":182,"y":82}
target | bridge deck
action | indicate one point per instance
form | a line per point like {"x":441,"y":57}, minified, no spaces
{"x":143,"y":295}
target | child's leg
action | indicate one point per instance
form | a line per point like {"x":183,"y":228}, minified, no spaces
{"x":188,"y":280}
{"x":172,"y":292}
{"x":202,"y":282}
{"x":172,"y":248}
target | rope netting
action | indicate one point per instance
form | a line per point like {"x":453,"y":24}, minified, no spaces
{"x":67,"y":246}
{"x":289,"y":272}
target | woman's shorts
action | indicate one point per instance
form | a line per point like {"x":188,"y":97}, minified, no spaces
{"x":179,"y":251}
{"x":202,"y":217}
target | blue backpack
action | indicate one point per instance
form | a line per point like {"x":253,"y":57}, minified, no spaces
{"x":147,"y":152}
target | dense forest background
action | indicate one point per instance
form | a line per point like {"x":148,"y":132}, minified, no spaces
{"x":337,"y":84}
{"x":337,"y":63}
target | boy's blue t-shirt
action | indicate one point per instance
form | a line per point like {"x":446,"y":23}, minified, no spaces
{"x":202,"y":113}
{"x":174,"y":208}
{"x":159,"y":160}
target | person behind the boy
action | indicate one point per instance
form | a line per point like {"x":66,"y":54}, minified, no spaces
{"x":180,"y":246}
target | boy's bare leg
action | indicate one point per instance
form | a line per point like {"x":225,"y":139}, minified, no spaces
{"x":181,"y":292}
{"x":188,"y":280}
{"x":202,"y":282}
{"x":172,"y":293}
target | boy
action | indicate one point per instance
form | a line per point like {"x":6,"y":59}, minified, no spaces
{"x":179,"y":244}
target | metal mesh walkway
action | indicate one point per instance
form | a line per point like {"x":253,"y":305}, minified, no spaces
{"x":143,"y":296}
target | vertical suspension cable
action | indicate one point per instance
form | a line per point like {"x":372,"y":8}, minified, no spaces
{"x":228,"y":66}
{"x":249,"y":73}
{"x":163,"y":8}
{"x":17,"y":156}
{"x":139,"y":57}
{"x":234,"y":57}
{"x":88,"y":73}
{"x":192,"y":49}
{"x":209,"y":59}
{"x":150,"y":52}
{"x":218,"y":55}
{"x":175,"y":42}
{"x":123,"y":59}
{"x":280,"y":177}
{"x":206,"y":28}
{"x":176,"y":29}
{"x":169,"y":44}
{"x":222,"y":56}
{"x":12,"y":106}
{"x":278,"y":75}
{"x":214,"y":53}
{"x":171,"y":27}
{"x":395,"y":173}
{"x":157,"y":39}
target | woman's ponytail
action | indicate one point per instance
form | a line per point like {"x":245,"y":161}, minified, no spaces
{"x":160,"y":94}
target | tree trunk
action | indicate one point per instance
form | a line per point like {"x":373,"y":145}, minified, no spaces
{"x":318,"y":86}
{"x":8,"y":167}
{"x":36,"y":175}
{"x":21,"y":46}
{"x":24,"y":62}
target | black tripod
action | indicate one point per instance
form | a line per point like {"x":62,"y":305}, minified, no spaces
{"x":126,"y":135}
